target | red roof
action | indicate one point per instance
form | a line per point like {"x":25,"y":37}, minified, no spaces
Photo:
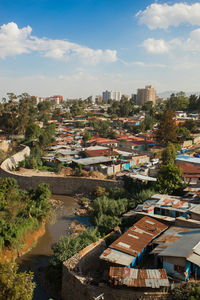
{"x":101,"y":152}
{"x":180,"y":122}
{"x":102,"y":140}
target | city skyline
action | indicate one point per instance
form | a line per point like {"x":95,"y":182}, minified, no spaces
{"x":80,"y":48}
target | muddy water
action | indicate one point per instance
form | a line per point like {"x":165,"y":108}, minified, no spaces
{"x":40,"y":253}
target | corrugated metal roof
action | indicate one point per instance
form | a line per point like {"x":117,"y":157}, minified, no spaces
{"x":186,"y":158}
{"x":151,"y":278}
{"x":196,"y":249}
{"x":100,"y":152}
{"x":194,"y":258}
{"x":92,"y":160}
{"x":142,"y":177}
{"x":117,"y":257}
{"x":172,"y":203}
{"x":177,"y":241}
{"x":195,"y":209}
{"x":137,"y":237}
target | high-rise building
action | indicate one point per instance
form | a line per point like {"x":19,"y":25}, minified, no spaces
{"x":107,"y":95}
{"x":145,"y":95}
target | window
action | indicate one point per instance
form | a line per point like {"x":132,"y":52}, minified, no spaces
{"x":179,"y":269}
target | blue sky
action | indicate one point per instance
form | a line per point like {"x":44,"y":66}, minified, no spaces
{"x":78,"y":48}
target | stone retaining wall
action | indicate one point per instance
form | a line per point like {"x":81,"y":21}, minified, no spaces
{"x":57,"y":184}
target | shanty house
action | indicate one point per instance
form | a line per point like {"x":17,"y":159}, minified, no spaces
{"x":178,"y":249}
{"x":130,"y":247}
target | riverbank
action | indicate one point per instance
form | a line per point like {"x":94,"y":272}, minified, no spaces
{"x":30,"y":239}
{"x":38,"y":257}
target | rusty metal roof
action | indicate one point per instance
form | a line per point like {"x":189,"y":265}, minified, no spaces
{"x":172,"y":203}
{"x":137,"y":237}
{"x":147,"y":278}
{"x":117,"y":257}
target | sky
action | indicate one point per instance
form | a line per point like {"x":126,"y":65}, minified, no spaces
{"x":78,"y":48}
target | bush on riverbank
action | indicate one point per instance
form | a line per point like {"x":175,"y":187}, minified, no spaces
{"x":108,"y":206}
{"x":21,"y":212}
{"x":67,"y":246}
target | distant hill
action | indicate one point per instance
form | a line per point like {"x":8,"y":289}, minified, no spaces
{"x":167,"y":94}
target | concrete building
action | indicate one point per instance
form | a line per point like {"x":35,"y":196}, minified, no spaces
{"x":107,"y":95}
{"x":54,"y":99}
{"x":145,"y":95}
{"x":98,"y":99}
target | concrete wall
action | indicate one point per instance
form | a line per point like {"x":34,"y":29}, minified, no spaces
{"x":58,"y":185}
{"x":180,"y":221}
{"x":12,"y":162}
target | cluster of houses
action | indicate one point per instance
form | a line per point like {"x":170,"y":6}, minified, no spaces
{"x":113,"y":156}
{"x":158,"y":252}
{"x":109,"y":156}
{"x":163,"y":244}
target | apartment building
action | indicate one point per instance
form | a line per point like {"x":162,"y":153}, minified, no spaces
{"x":107,"y":95}
{"x":145,"y":95}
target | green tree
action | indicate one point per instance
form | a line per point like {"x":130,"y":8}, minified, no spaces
{"x":191,"y":125}
{"x":44,"y":109}
{"x":32,"y":132}
{"x":178,"y":101}
{"x":148,"y":123}
{"x":183,"y":133}
{"x":169,"y":154}
{"x":15,"y":285}
{"x":194,"y":103}
{"x":169,"y":179}
{"x":167,"y":129}
{"x":47,"y":135}
{"x":86,"y":137}
{"x":191,"y":291}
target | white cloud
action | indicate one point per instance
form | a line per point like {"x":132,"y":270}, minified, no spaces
{"x":15,"y":41}
{"x":163,"y":15}
{"x":143,"y":64}
{"x":156,"y":46}
{"x":190,"y":45}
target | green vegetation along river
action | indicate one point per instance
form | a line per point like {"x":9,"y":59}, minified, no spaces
{"x":40,"y":253}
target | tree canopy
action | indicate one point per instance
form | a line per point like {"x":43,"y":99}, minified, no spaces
{"x":21,"y":211}
{"x":167,"y":129}
{"x":169,"y":154}
{"x":169,"y":179}
{"x":15,"y":285}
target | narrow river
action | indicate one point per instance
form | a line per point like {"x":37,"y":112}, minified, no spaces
{"x":39,"y":254}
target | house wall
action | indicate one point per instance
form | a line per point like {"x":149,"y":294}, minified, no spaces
{"x":180,"y":221}
{"x":180,"y":261}
{"x":75,"y":288}
{"x":169,"y":267}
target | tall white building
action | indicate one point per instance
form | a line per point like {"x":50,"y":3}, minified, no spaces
{"x":107,"y":95}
